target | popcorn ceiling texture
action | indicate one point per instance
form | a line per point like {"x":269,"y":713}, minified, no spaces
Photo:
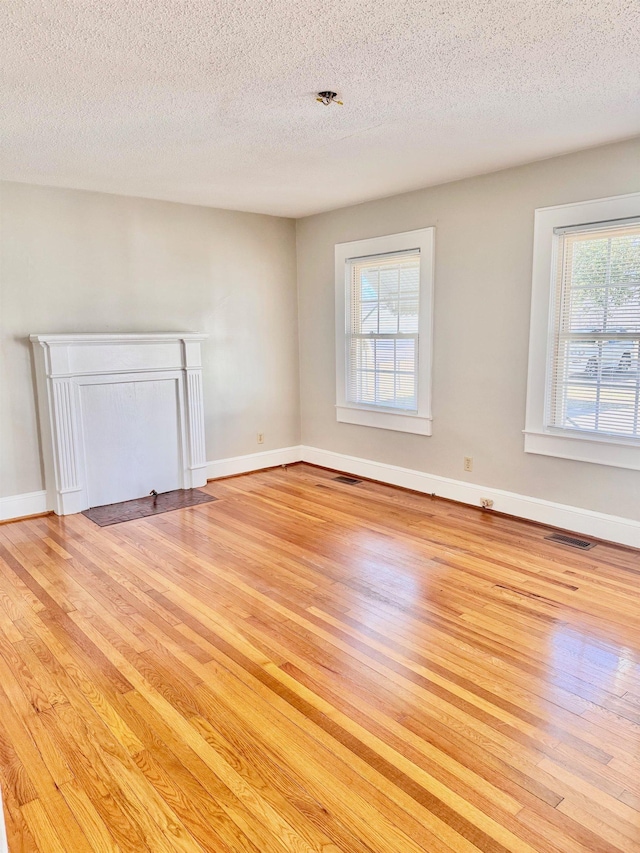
{"x":212,"y":102}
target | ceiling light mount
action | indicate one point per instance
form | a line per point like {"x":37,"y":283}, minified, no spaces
{"x":327,"y":98}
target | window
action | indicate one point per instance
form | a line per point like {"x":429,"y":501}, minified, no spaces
{"x":383,"y":314}
{"x":584,"y":391}
{"x":382,"y":338}
{"x":594,"y":362}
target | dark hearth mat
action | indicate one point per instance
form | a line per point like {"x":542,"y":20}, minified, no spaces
{"x":144,"y":507}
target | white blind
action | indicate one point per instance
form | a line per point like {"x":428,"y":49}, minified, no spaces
{"x":383,"y":331}
{"x":595,"y":380}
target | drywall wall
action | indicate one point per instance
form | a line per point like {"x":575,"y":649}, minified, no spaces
{"x":75,"y":261}
{"x":484,"y":239}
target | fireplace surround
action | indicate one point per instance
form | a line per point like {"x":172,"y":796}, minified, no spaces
{"x":120,"y":414}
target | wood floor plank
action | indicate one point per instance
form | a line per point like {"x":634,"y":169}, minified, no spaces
{"x":305,"y":666}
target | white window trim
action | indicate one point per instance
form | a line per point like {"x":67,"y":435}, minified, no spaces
{"x":538,"y":437}
{"x":418,"y":422}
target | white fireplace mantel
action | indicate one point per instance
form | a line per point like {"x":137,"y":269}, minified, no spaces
{"x":90,"y":388}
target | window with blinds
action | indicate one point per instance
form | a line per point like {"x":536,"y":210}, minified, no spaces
{"x":382,"y":335}
{"x":594,"y":375}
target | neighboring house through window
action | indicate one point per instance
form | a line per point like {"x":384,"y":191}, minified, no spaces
{"x":384,"y":297}
{"x":584,"y":375}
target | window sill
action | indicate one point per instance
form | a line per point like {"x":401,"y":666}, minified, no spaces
{"x":600,"y":451}
{"x":400,"y":422}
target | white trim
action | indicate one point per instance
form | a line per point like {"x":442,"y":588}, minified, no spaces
{"x":17,"y":506}
{"x":253,"y":462}
{"x":584,"y":448}
{"x":346,"y":412}
{"x":35,"y":503}
{"x":398,"y":421}
{"x":625,"y":531}
{"x":539,"y":438}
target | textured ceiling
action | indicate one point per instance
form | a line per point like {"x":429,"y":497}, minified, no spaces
{"x":212,"y":102}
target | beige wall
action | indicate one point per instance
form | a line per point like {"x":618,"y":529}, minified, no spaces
{"x":88,"y":262}
{"x":484,"y":236}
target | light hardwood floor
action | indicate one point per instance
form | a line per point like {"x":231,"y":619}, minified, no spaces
{"x":310,"y":666}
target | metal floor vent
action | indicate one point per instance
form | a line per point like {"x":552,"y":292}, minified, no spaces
{"x":350,"y":481}
{"x":583,"y":544}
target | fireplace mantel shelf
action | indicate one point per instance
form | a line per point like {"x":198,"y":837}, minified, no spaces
{"x":114,"y":337}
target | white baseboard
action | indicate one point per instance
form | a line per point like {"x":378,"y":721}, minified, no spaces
{"x":613,"y":528}
{"x":33,"y":503}
{"x":17,"y":506}
{"x":253,"y":462}
{"x":624,"y":531}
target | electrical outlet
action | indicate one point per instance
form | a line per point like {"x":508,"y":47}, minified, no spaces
{"x":260,"y":438}
{"x":468,"y":463}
